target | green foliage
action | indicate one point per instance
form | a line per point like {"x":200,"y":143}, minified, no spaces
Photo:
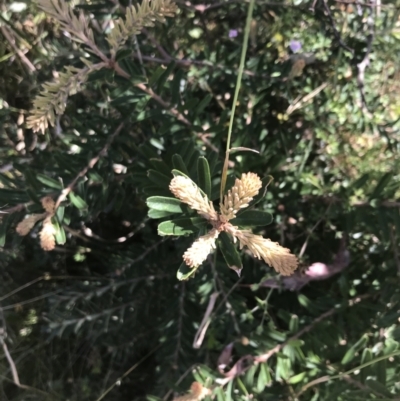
{"x":131,"y":112}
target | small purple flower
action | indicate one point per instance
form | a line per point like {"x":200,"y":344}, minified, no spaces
{"x":295,"y":46}
{"x":233,"y":33}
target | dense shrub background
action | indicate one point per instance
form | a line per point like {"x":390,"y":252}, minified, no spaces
{"x":325,"y":119}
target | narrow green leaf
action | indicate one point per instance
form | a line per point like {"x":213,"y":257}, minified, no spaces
{"x":204,"y":175}
{"x":203,"y":104}
{"x":184,"y":272}
{"x":380,"y":369}
{"x":165,"y":204}
{"x":50,"y":182}
{"x":263,"y":378}
{"x":360,"y":182}
{"x":242,"y":386}
{"x":365,"y":358}
{"x":60,"y":213}
{"x":4,"y":225}
{"x":252,"y":218}
{"x":294,"y":324}
{"x":77,"y":201}
{"x":60,"y":236}
{"x":164,"y":76}
{"x":297,"y":378}
{"x":182,"y":226}
{"x":378,"y":191}
{"x":158,"y":214}
{"x":179,"y":164}
{"x":378,"y":388}
{"x":123,"y":53}
{"x":156,"y":75}
{"x":348,"y":356}
{"x":159,"y":178}
{"x":220,"y":394}
{"x":230,"y":253}
{"x":228,"y":391}
{"x":160,"y":165}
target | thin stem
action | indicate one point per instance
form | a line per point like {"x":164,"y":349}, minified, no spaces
{"x":236,"y":95}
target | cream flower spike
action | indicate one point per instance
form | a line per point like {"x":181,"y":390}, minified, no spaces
{"x":239,"y":197}
{"x":272,"y":253}
{"x":200,"y":249}
{"x":188,"y":192}
{"x":241,"y":194}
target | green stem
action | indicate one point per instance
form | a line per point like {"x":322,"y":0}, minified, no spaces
{"x":235,"y":97}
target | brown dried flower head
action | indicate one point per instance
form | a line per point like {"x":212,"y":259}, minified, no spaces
{"x":25,"y":226}
{"x":47,"y":240}
{"x":197,"y":393}
{"x":241,"y":194}
{"x":48,"y":204}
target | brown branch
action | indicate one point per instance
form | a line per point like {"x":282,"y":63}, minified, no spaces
{"x":21,"y":55}
{"x":334,"y":29}
{"x":239,"y":367}
{"x":13,"y":368}
{"x":165,"y":105}
{"x":71,"y":185}
{"x":65,"y":192}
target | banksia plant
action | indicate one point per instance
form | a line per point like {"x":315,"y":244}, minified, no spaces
{"x":48,"y":232}
{"x":228,"y":227}
{"x":197,"y":392}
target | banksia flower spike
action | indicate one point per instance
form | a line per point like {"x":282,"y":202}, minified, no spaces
{"x":47,"y":240}
{"x":188,"y":192}
{"x":237,"y":198}
{"x":241,"y":194}
{"x":25,"y":226}
{"x":47,"y":233}
{"x":197,"y":393}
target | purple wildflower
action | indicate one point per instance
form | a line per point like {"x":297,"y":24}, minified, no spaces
{"x":295,"y":46}
{"x":233,"y":33}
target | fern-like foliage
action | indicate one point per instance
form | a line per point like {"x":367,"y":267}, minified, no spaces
{"x":136,"y":19}
{"x":52,"y":99}
{"x":62,"y":12}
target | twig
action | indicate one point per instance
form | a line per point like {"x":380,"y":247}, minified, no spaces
{"x":11,"y":363}
{"x":393,"y":239}
{"x":13,"y":368}
{"x":179,"y":381}
{"x":239,"y":367}
{"x":21,"y":55}
{"x":306,"y":329}
{"x":372,"y":4}
{"x":180,"y":325}
{"x":327,"y":378}
{"x":65,"y":192}
{"x":365,"y":61}
{"x":298,"y":104}
{"x":201,"y":332}
{"x":118,"y":381}
{"x":335,"y":31}
{"x":71,"y":185}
